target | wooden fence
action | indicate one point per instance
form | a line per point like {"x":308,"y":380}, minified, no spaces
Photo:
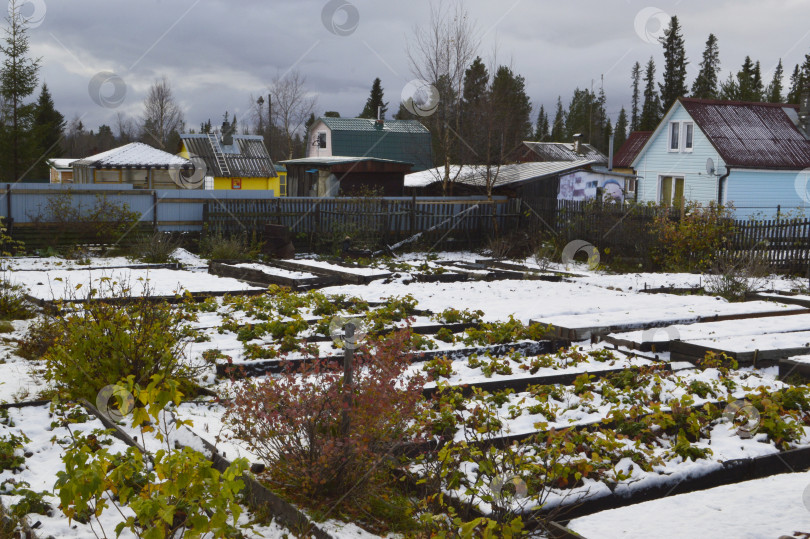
{"x":626,"y":231}
{"x":464,"y":221}
{"x":783,"y":244}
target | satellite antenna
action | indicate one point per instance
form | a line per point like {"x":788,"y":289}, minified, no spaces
{"x":710,"y":166}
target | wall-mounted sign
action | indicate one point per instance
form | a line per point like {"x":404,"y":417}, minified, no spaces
{"x":236,"y":183}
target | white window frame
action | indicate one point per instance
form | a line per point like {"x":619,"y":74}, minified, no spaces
{"x":674,"y":139}
{"x":675,"y":179}
{"x":688,"y":126}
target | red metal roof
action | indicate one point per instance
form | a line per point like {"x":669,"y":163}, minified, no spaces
{"x":630,"y":149}
{"x":751,"y":135}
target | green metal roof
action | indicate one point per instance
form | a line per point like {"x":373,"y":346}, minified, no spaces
{"x":340,"y":159}
{"x":364,"y":124}
{"x":398,"y":140}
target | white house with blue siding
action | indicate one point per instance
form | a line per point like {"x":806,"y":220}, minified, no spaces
{"x":760,"y":154}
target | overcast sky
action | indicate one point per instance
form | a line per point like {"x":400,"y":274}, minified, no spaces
{"x":217,"y":53}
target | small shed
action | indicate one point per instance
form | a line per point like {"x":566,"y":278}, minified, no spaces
{"x":398,"y":140}
{"x":345,"y":176}
{"x":234,"y":161}
{"x":61,"y":170}
{"x":138,"y":164}
{"x":540,"y":180}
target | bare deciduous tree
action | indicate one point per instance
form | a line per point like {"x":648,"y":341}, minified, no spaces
{"x":439,"y":53}
{"x":292,"y":105}
{"x":162,"y":114}
{"x":127,"y":130}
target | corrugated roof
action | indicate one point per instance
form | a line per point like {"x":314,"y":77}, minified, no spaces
{"x":399,"y":140}
{"x":134,"y":154}
{"x":246,"y":158}
{"x":631,"y":148}
{"x":364,"y":124}
{"x":339,"y":159}
{"x":564,"y":151}
{"x":751,"y":135}
{"x":476,"y":175}
{"x":61,"y":163}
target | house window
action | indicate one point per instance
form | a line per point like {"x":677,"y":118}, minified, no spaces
{"x":282,"y":185}
{"x":672,"y":191}
{"x":688,"y":136}
{"x":674,"y":136}
{"x":630,"y":185}
{"x":321,"y":140}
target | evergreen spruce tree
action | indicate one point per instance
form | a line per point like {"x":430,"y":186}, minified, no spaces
{"x":635,"y":116}
{"x":651,"y":110}
{"x":375,"y":100}
{"x":757,"y":85}
{"x":512,"y":109}
{"x":49,"y":125}
{"x":18,"y":80}
{"x":730,"y":89}
{"x":746,"y":81}
{"x":620,"y":131}
{"x":558,"y":127}
{"x":475,"y":125}
{"x":674,"y":76}
{"x":796,"y":83}
{"x":775,"y":87}
{"x":706,"y":83}
{"x":541,"y":131}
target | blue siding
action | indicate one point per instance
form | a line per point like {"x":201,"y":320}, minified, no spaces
{"x":757,"y":193}
{"x":657,"y":161}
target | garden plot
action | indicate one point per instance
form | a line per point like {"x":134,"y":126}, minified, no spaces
{"x":682,"y":310}
{"x":540,"y":300}
{"x":633,"y":435}
{"x":55,"y":285}
{"x":347,"y":273}
{"x":587,"y":401}
{"x":659,"y":338}
{"x":516,"y":371}
{"x":770,"y":507}
{"x":40,"y":437}
{"x":264,"y":274}
{"x":746,"y":349}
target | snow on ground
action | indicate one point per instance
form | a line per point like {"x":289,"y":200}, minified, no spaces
{"x":763,"y":508}
{"x":345,"y":269}
{"x":62,"y":284}
{"x":271,"y":270}
{"x":542,"y":300}
{"x":725,"y":328}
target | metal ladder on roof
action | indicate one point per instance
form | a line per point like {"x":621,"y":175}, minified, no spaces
{"x":221,"y":161}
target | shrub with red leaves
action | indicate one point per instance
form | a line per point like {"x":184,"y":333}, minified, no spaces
{"x":293,"y":420}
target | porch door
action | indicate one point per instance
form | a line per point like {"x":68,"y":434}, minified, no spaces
{"x":672,"y":191}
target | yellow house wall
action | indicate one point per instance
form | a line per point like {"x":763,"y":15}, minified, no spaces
{"x":258,"y":184}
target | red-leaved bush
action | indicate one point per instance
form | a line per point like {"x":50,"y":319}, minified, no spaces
{"x":293,"y":420}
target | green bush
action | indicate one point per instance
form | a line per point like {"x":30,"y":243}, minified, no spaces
{"x":691,"y":242}
{"x":108,"y":341}
{"x":219,"y":246}
{"x":157,"y":248}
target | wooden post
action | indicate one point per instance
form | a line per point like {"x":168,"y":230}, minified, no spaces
{"x":413,"y":214}
{"x":348,"y":376}
{"x":154,"y":211}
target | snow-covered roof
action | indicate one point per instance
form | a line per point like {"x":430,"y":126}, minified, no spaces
{"x":61,"y":163}
{"x":476,"y":175}
{"x":134,"y":155}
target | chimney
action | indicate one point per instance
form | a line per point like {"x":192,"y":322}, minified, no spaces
{"x":804,"y":112}
{"x":379,"y":122}
{"x":577,"y":143}
{"x":610,"y":152}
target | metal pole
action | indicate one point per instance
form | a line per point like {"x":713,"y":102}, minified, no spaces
{"x":348,"y":375}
